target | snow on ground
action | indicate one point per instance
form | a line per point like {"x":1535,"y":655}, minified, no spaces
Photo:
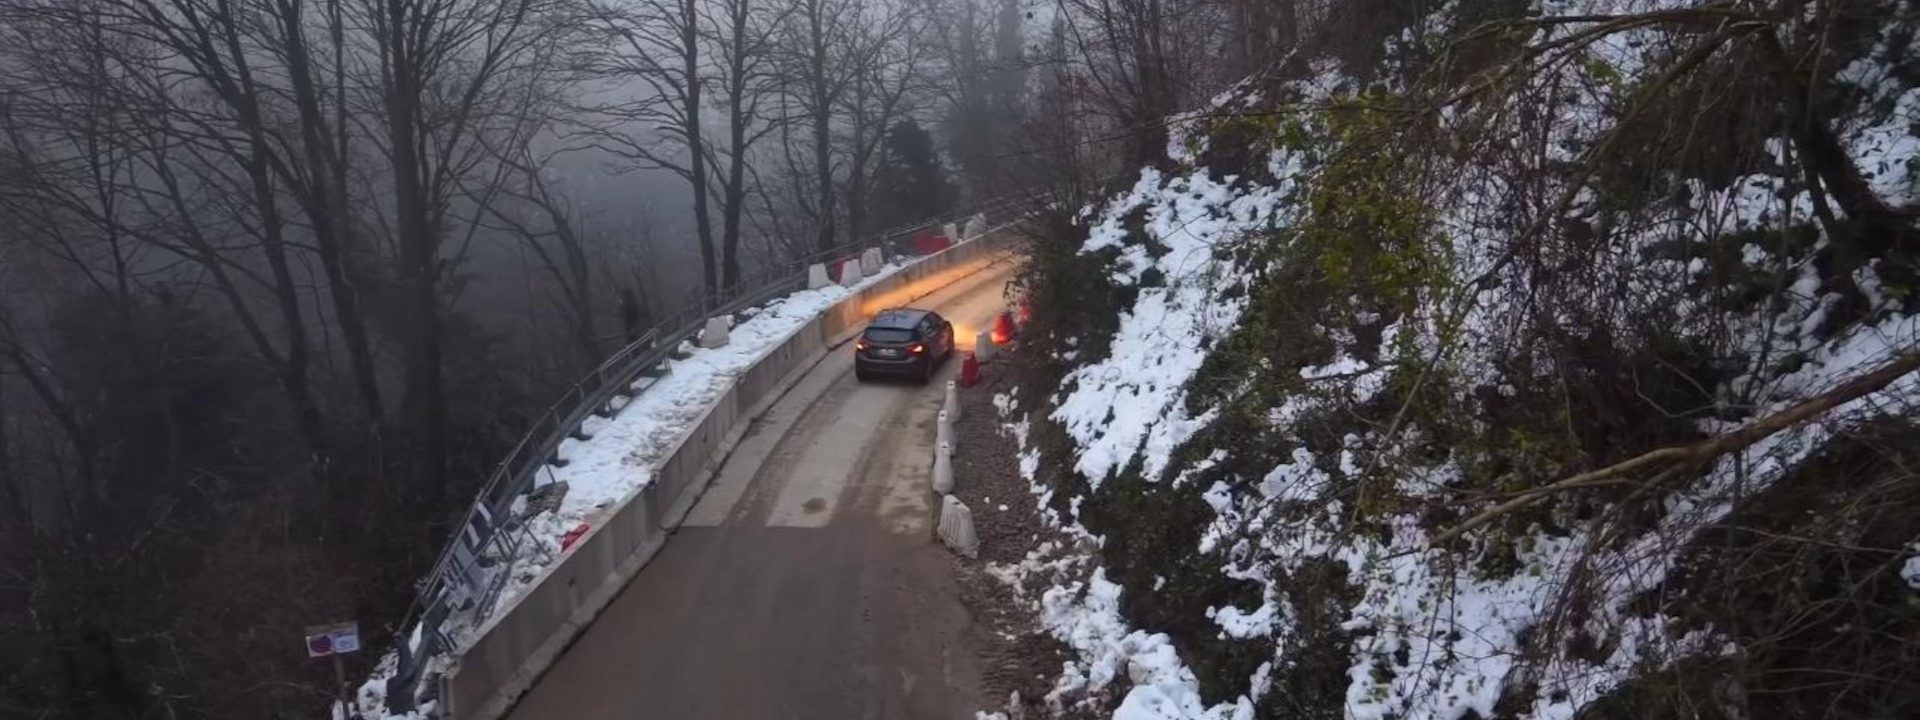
{"x":1134,"y":396}
{"x":1081,"y":608}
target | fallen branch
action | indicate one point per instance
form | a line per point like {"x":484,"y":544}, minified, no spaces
{"x":1673,"y":458}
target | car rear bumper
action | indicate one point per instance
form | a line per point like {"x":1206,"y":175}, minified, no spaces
{"x":881,"y":366}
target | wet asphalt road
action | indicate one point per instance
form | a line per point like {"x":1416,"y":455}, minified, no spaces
{"x":806,"y":582}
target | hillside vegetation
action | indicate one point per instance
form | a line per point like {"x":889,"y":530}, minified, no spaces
{"x":1551,"y":362}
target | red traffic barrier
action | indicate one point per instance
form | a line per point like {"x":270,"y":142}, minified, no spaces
{"x":969,"y":370}
{"x":927,"y":242}
{"x":1026,"y":311}
{"x":573,"y":536}
{"x":1003,"y":328}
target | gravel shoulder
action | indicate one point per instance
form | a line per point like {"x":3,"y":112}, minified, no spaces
{"x":1016,"y":656}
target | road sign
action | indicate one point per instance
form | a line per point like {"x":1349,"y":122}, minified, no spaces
{"x":337,"y":639}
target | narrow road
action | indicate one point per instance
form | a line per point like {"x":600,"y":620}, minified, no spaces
{"x":806,"y":583}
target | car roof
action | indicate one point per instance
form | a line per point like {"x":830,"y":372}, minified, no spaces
{"x":898,"y":318}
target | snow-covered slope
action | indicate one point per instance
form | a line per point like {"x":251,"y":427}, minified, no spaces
{"x":1346,"y":349}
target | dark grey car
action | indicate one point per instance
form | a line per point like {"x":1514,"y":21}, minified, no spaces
{"x":905,"y":342}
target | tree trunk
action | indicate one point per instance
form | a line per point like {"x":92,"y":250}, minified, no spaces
{"x":424,"y":402}
{"x":696,"y":145}
{"x":733,"y":205}
{"x":823,"y":175}
{"x":822,"y":109}
{"x":323,"y":197}
{"x":1878,"y":227}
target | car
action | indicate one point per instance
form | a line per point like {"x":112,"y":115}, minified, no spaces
{"x":905,"y":342}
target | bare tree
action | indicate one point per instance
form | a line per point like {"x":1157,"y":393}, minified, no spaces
{"x":819,"y":65}
{"x":889,"y":61}
{"x":527,"y":205}
{"x":440,"y":67}
{"x":652,"y":51}
{"x":742,"y":33}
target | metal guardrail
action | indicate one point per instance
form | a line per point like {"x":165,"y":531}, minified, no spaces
{"x":474,"y":567}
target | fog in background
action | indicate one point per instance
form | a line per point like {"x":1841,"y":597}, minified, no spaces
{"x":281,"y":281}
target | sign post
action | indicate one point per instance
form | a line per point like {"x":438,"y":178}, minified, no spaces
{"x":333,"y":641}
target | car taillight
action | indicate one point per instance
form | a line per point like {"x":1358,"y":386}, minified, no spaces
{"x":917,"y":348}
{"x":860,"y":346}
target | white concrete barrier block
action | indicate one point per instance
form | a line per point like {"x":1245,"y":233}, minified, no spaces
{"x":850,"y":273}
{"x":976,"y":226}
{"x":943,"y":468}
{"x":956,"y":527}
{"x":943,"y":433}
{"x":870,"y":262}
{"x":817,"y":276}
{"x":953,"y":232}
{"x":983,"y":347}
{"x":715,"y":333}
{"x":952,"y":408}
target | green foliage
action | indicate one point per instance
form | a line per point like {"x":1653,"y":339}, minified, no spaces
{"x":1604,"y":72}
{"x":1364,"y":245}
{"x":1366,"y":224}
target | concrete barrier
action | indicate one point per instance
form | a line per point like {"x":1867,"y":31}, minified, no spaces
{"x":850,"y":273}
{"x":983,"y":347}
{"x":956,"y":527}
{"x":976,"y":227}
{"x":952,"y":405}
{"x":817,"y":276}
{"x":522,"y":640}
{"x":943,"y":432}
{"x":871,"y":261}
{"x":715,"y":333}
{"x":943,"y":468}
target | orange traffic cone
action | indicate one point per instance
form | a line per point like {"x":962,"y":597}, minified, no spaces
{"x":969,"y":370}
{"x":1003,"y":328}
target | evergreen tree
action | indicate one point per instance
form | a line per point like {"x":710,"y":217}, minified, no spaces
{"x":912,"y":183}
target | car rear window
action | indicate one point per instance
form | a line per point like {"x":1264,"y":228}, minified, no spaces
{"x":889,"y":335}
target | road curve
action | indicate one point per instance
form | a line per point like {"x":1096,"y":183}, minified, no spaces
{"x":805,"y":583}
